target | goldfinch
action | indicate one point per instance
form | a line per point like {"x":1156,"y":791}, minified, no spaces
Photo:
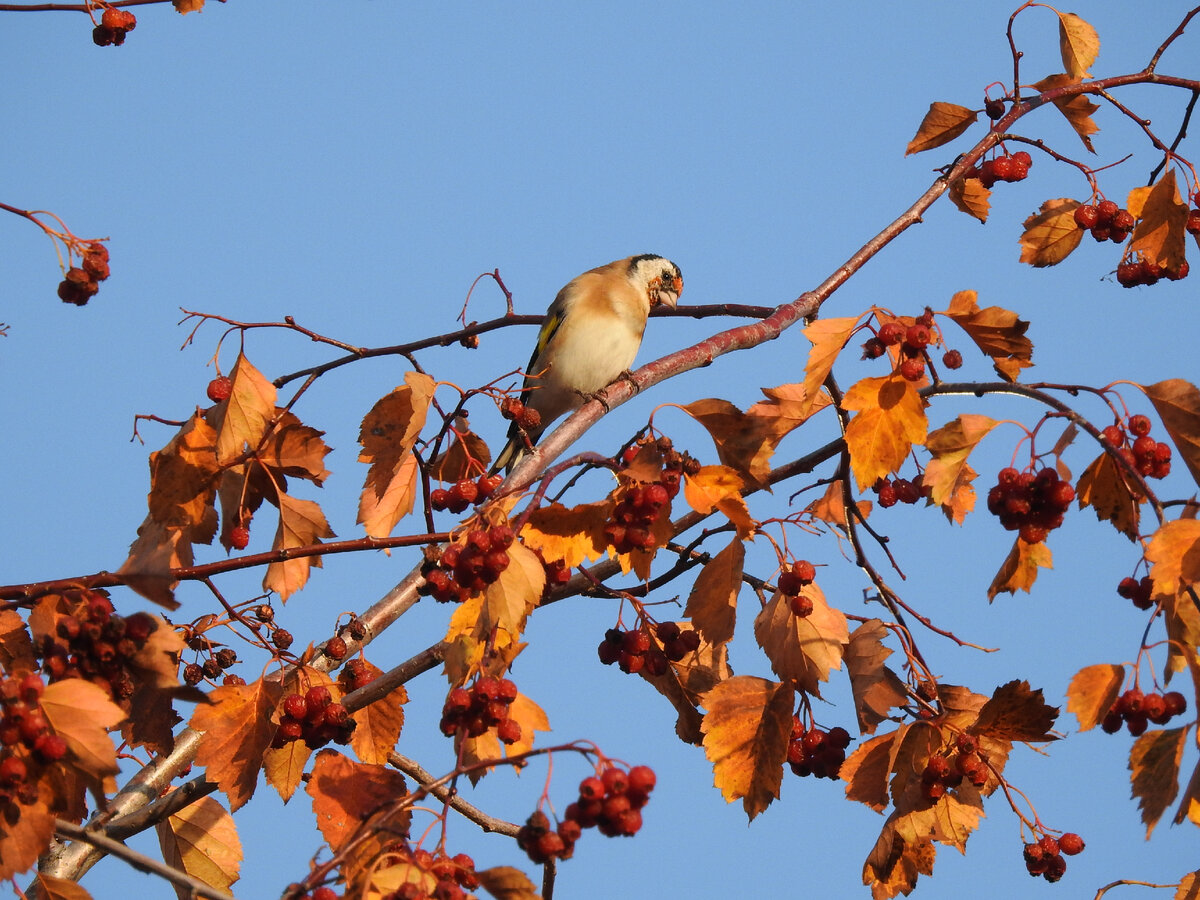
{"x":588,"y":339}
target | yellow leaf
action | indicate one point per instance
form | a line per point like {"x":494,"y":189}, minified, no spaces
{"x":1092,"y":693}
{"x":511,"y":597}
{"x":201,"y":840}
{"x":951,"y":445}
{"x":1178,"y":405}
{"x":573,"y":535}
{"x":1077,"y":109}
{"x":81,"y":713}
{"x":1160,"y":236}
{"x":942,"y":124}
{"x":1154,"y":767}
{"x":1019,"y":569}
{"x":890,"y":419}
{"x":379,"y":513}
{"x":1051,"y":234}
{"x":828,"y":337}
{"x":803,"y":650}
{"x":1174,"y":554}
{"x":1079,"y":44}
{"x":243,"y":418}
{"x":301,"y":523}
{"x":971,"y":197}
{"x":712,"y":604}
{"x":746,"y":734}
{"x":284,"y":767}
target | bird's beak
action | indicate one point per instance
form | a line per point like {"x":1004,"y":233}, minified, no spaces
{"x":667,"y":292}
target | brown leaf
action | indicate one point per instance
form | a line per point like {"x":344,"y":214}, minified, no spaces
{"x":1159,"y":236}
{"x":1051,"y":234}
{"x":1092,"y":693}
{"x":802,"y":650}
{"x":241,"y":421}
{"x":1077,"y":109}
{"x":201,"y":840}
{"x":183,"y":482}
{"x":301,"y":523}
{"x":379,"y":723}
{"x":52,"y":888}
{"x":1019,"y":569}
{"x":468,"y":456}
{"x":971,"y":197}
{"x":1154,"y":767}
{"x":828,"y":337}
{"x":16,"y":646}
{"x":719,"y":487}
{"x":877,"y":689}
{"x":1016,"y":713}
{"x":867,"y":769}
{"x":387,"y":435}
{"x":1079,"y":44}
{"x":26,"y":832}
{"x":573,"y":535}
{"x":1178,"y":405}
{"x":295,"y":449}
{"x":237,"y":732}
{"x":346,"y":795}
{"x":81,"y":713}
{"x":746,"y":734}
{"x":894,"y":865}
{"x":153,"y":554}
{"x":831,"y":506}
{"x":890,"y":419}
{"x":712,"y":604}
{"x":507,"y":883}
{"x":1189,"y":804}
{"x":687,"y":680}
{"x":1103,"y":487}
{"x":942,"y":124}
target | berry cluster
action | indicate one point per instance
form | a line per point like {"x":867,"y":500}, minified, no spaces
{"x":486,"y":705}
{"x":1002,"y":168}
{"x":314,"y":718}
{"x":1032,"y":504}
{"x":611,"y":802}
{"x":114,"y":23}
{"x":82,"y":282}
{"x":1135,"y":710}
{"x":634,"y":651}
{"x":467,"y":568}
{"x":94,"y":643}
{"x":1045,"y":857}
{"x":354,"y":675}
{"x":1105,"y":220}
{"x":514,"y":410}
{"x":1151,"y":458}
{"x":194,"y":673}
{"x":913,"y":342}
{"x":942,"y":773}
{"x":900,"y":490}
{"x":464,"y":492}
{"x":454,"y":875}
{"x":23,"y":731}
{"x":633,"y":518}
{"x":1133,"y":272}
{"x":792,"y":581}
{"x":815,"y":752}
{"x":1137,"y":590}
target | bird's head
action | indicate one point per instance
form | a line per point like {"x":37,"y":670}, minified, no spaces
{"x":660,"y":277}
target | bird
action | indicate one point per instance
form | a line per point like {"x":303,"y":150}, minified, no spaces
{"x":588,"y":339}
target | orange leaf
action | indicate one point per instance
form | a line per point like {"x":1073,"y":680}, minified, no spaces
{"x":153,"y":554}
{"x":867,"y":769}
{"x":719,"y":487}
{"x":387,"y":436}
{"x":296,"y":449}
{"x":507,"y":883}
{"x":284,"y":767}
{"x":1154,"y":767}
{"x":686,"y":680}
{"x":573,"y":535}
{"x":1178,"y":405}
{"x":950,"y":820}
{"x":828,"y":337}
{"x":532,"y":718}
{"x":1103,"y":487}
{"x":237,"y":732}
{"x":877,"y":689}
{"x":468,"y":456}
{"x":746,"y":735}
{"x":301,"y":523}
{"x":509,"y":599}
{"x":1189,"y":808}
{"x":971,"y":197}
{"x":183,"y":482}
{"x":894,"y":864}
{"x":787,"y":407}
{"x":942,"y":124}
{"x":52,"y":888}
{"x":1019,"y":569}
{"x":831,"y":506}
{"x":1077,"y":109}
{"x":183,"y":7}
{"x":81,"y":713}
{"x":379,"y":513}
{"x":951,"y":445}
{"x":1051,"y":234}
{"x":23,"y":840}
{"x":346,"y":795}
{"x":1174,"y":554}
{"x":712,"y":604}
{"x":1159,"y":236}
{"x":241,"y":421}
{"x":379,"y":723}
{"x":890,"y":420}
{"x":743,"y":443}
{"x":1016,"y":713}
{"x":1079,"y":44}
{"x":202,"y":841}
{"x":802,"y":650}
{"x":1092,"y":693}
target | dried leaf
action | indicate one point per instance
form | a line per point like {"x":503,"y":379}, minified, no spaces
{"x":573,"y":535}
{"x":1051,"y":234}
{"x":1154,"y":767}
{"x":26,"y":832}
{"x":687,"y":680}
{"x":201,"y":840}
{"x":1015,"y":712}
{"x":183,"y":482}
{"x":719,"y":487}
{"x":1019,"y":569}
{"x":712,"y":604}
{"x":877,"y":689}
{"x":828,"y":337}
{"x":971,"y":197}
{"x":890,"y":419}
{"x":1189,"y":805}
{"x":468,"y":456}
{"x":942,"y":124}
{"x":831,"y":506}
{"x":867,"y":769}
{"x":1103,"y":487}
{"x":1159,"y":236}
{"x":153,"y":554}
{"x":52,"y":888}
{"x":241,"y":421}
{"x":81,"y":713}
{"x":387,"y":436}
{"x":295,"y":449}
{"x":746,"y":734}
{"x":1077,"y":109}
{"x":301,"y":523}
{"x":802,"y":650}
{"x":1092,"y":693}
{"x":894,"y":865}
{"x":16,"y":646}
{"x":1174,"y":554}
{"x":1178,"y":405}
{"x":507,"y":883}
{"x":1079,"y":44}
{"x":347,"y":795}
{"x":947,"y":475}
{"x":237,"y":732}
{"x":379,"y":723}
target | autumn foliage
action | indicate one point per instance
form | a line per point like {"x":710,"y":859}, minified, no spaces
{"x":88,"y":667}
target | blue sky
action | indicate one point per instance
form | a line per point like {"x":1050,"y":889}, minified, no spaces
{"x":357,"y":165}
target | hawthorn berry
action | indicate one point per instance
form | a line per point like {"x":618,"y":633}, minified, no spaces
{"x":1087,"y":216}
{"x":952,"y":359}
{"x":220,"y":388}
{"x":239,"y":537}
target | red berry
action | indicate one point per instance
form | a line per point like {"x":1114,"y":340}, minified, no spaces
{"x":805,"y":571}
{"x":1002,"y":168}
{"x":1115,"y":435}
{"x":508,"y":731}
{"x":1123,"y":220}
{"x":1106,"y":209}
{"x":642,"y":779}
{"x":913,"y":368}
{"x":952,"y":359}
{"x":917,"y":337}
{"x":591,"y":788}
{"x":1193,"y":222}
{"x":220,"y":388}
{"x":239,"y":537}
{"x":335,"y":648}
{"x":615,"y":781}
{"x":317,"y":697}
{"x":801,"y":605}
{"x":1071,"y":843}
{"x":1086,"y":216}
{"x":891,"y":333}
{"x":1139,"y":425}
{"x":50,"y":747}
